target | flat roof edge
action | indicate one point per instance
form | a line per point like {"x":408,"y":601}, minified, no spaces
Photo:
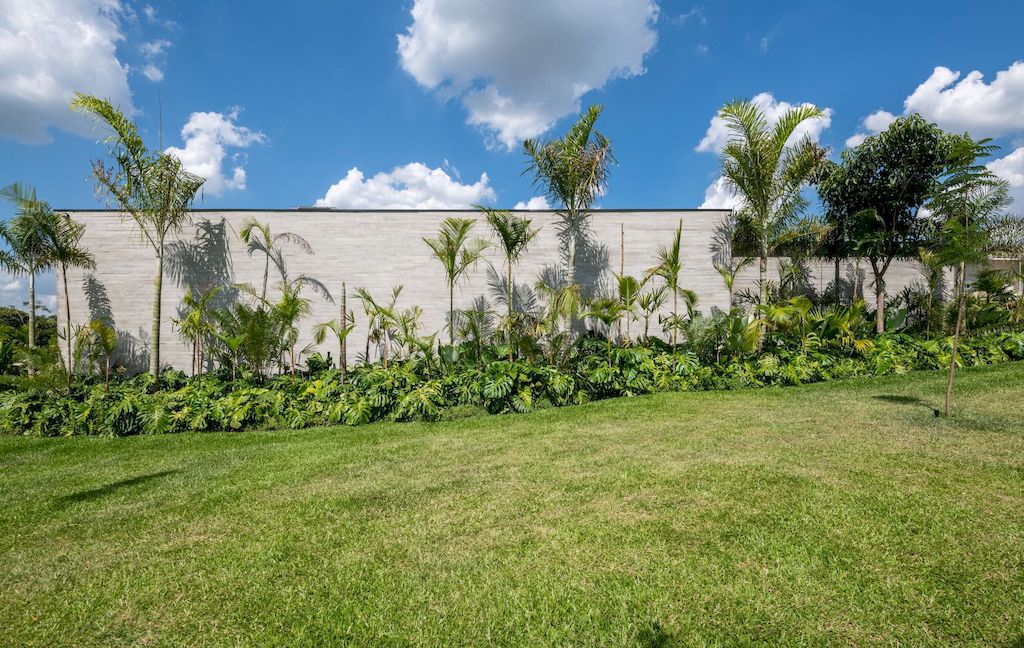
{"x":300,"y":210}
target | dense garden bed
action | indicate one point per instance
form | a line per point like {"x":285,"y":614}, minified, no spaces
{"x":424,"y":388}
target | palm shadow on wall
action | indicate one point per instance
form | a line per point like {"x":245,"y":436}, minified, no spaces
{"x":132,"y":353}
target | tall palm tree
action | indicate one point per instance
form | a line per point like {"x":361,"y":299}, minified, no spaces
{"x":151,"y":188}
{"x":968,"y":198}
{"x":456,"y":252}
{"x":29,"y":252}
{"x":382,"y":320}
{"x":514,"y":235}
{"x":768,"y":173}
{"x":64,"y":238}
{"x":340,"y":328}
{"x":729,"y":270}
{"x":573,"y":172}
{"x":258,"y":237}
{"x":629,"y":293}
{"x":669,"y":268}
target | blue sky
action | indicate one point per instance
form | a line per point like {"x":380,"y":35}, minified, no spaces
{"x":288,"y":104}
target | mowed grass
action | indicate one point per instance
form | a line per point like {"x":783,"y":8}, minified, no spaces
{"x":828,"y":514}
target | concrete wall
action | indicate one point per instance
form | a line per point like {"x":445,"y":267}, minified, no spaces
{"x":378,"y":250}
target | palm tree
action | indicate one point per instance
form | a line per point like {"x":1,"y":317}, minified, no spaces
{"x":607,"y":311}
{"x":669,"y":268}
{"x":153,"y":189}
{"x":457,"y":253}
{"x":729,"y":270}
{"x":629,"y":292}
{"x":382,"y":320}
{"x":573,"y":172}
{"x":768,"y":173}
{"x":514,"y":236}
{"x":29,"y":252}
{"x":931,"y":266}
{"x":649,"y":303}
{"x":292,"y":308}
{"x":101,"y":338}
{"x":340,"y":328}
{"x":258,"y":237}
{"x":64,"y":239}
{"x":968,"y":198}
{"x":196,"y":324}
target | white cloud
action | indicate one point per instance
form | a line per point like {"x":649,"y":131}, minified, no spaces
{"x":537,"y":202}
{"x":719,"y":195}
{"x":155,"y":55}
{"x":49,"y":49}
{"x":14,"y":291}
{"x":207,"y":136}
{"x":413,"y":186}
{"x":520,"y":66}
{"x":969,"y":104}
{"x":1011,"y":169}
{"x":873,"y":124}
{"x":717,"y":135}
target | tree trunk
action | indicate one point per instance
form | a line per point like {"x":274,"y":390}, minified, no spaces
{"x":961,"y":304}
{"x":266,"y":275}
{"x":762,"y":272}
{"x":343,"y":344}
{"x":31,"y":310}
{"x":154,"y":342}
{"x":835,"y":282}
{"x":675,"y":325}
{"x":510,"y":311}
{"x":106,"y":375}
{"x":451,"y":314}
{"x":879,"y":297}
{"x":67,"y":328}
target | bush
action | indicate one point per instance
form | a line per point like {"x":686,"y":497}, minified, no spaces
{"x":411,"y":390}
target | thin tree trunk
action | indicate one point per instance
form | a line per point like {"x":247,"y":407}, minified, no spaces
{"x":31,"y":310}
{"x":763,"y":295}
{"x":266,"y":275}
{"x":835,"y":282}
{"x":343,"y":345}
{"x":879,"y":297}
{"x":154,"y":342}
{"x":510,"y":310}
{"x":67,"y":327}
{"x":961,"y":303}
{"x":451,"y":314}
{"x":622,"y":270}
{"x":106,"y":375}
{"x":675,"y":325}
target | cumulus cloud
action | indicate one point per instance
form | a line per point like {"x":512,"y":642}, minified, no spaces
{"x":537,"y":202}
{"x":14,"y":291}
{"x":413,"y":186}
{"x":969,"y":104}
{"x":718,"y":195}
{"x":873,"y":124}
{"x":717,"y":135}
{"x":1011,"y":169}
{"x":49,"y":49}
{"x":207,"y":137}
{"x":519,"y":66}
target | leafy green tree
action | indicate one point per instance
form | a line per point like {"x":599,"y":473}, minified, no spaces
{"x":382,"y":321}
{"x":650,"y":302}
{"x":151,"y":188}
{"x":967,"y":200}
{"x":874,"y":196}
{"x":258,"y":238}
{"x":514,"y":236}
{"x":101,"y":340}
{"x":769,"y":173}
{"x":457,"y":253}
{"x":29,"y":251}
{"x":573,"y":172}
{"x":731,"y":269}
{"x":341,"y":328}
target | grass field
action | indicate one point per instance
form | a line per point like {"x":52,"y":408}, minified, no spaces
{"x":838,"y":513}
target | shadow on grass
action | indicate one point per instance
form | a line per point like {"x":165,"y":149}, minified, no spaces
{"x":899,"y":399}
{"x":107,"y":489}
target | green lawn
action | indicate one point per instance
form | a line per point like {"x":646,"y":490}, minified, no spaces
{"x":828,"y":514}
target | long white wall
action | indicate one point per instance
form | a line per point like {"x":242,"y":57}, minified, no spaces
{"x":378,"y":250}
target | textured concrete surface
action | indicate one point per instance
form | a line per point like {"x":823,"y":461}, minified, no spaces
{"x":376,"y":251}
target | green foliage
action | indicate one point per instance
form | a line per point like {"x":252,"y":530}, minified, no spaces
{"x":808,"y":345}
